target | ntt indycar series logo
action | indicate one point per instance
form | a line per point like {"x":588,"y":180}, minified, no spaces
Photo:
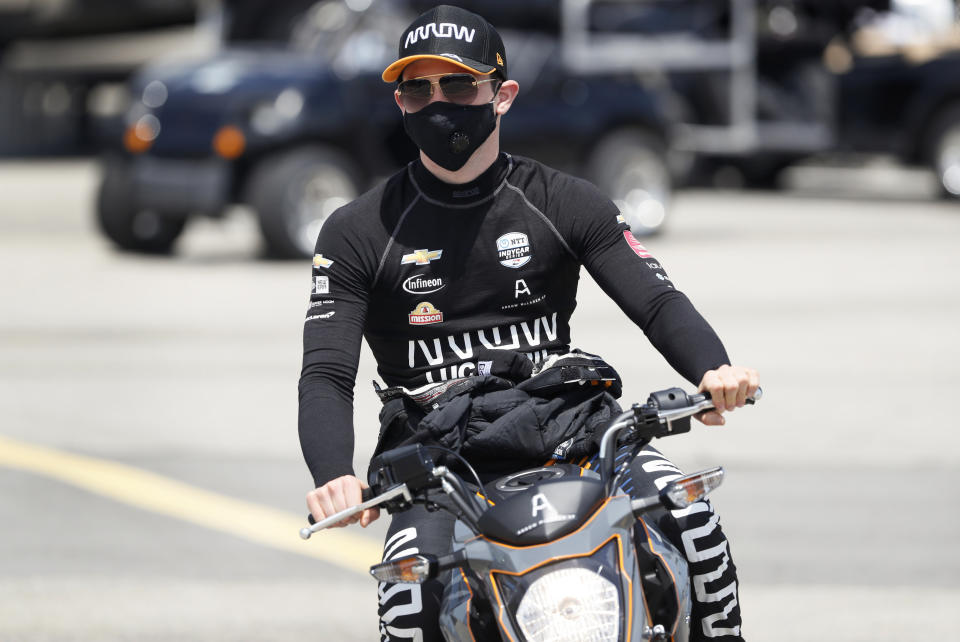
{"x":419,"y":284}
{"x":425,"y":314}
{"x":513,"y":250}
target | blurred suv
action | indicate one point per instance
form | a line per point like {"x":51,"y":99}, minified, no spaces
{"x":297,"y":132}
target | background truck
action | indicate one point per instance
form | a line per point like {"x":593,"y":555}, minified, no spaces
{"x":296,"y":132}
{"x":635,"y":96}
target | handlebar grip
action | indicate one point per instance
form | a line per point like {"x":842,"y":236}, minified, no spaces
{"x":697,"y":397}
{"x":365,"y":495}
{"x":702,"y":396}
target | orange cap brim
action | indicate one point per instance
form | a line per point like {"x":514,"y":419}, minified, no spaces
{"x":391,"y":73}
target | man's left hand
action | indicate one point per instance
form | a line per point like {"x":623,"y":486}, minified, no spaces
{"x":729,"y":387}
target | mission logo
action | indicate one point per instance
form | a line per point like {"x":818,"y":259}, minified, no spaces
{"x":420,"y":284}
{"x":425,"y":314}
{"x":513,"y":250}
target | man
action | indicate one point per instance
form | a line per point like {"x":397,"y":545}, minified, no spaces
{"x":468,"y":250}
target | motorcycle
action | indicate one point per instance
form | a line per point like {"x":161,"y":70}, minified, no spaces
{"x":556,"y":553}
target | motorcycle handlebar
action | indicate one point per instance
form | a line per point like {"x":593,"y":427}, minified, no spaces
{"x":667,"y":412}
{"x":656,"y":418}
{"x":396,"y":491}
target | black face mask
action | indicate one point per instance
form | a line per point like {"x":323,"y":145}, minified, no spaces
{"x":449,"y":134}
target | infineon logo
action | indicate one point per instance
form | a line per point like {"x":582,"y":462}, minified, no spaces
{"x":425,"y":314}
{"x":420,"y":284}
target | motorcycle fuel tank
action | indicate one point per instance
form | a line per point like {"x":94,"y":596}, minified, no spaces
{"x":544,"y":512}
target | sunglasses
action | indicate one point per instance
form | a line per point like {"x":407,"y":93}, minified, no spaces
{"x":459,"y":89}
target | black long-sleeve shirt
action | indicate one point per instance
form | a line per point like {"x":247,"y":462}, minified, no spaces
{"x":429,"y":272}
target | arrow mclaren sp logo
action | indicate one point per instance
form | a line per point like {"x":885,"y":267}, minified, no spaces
{"x":421,"y":257}
{"x":420,"y":284}
{"x":513,"y":250}
{"x":545,"y":513}
{"x":442,"y":30}
{"x":425,"y":314}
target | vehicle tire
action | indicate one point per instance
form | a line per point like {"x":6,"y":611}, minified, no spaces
{"x":294,"y":193}
{"x":128,"y":226}
{"x":630,"y":167}
{"x":763,"y":171}
{"x":943,"y":145}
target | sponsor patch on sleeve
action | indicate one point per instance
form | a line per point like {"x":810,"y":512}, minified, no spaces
{"x":635,"y":245}
{"x":321,"y":285}
{"x":314,"y":317}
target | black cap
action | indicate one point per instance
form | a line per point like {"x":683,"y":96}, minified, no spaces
{"x":454,"y":35}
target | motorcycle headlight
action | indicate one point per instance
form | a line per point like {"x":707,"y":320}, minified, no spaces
{"x":571,"y":601}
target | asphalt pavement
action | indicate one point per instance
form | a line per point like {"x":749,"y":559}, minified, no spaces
{"x":151,"y":481}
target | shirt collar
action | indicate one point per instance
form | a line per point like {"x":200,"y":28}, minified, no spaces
{"x":460,"y":194}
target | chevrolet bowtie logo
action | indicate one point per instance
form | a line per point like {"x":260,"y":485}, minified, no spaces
{"x":421,"y":257}
{"x":320,"y":262}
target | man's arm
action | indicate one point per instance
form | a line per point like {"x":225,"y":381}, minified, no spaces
{"x":330,"y":355}
{"x":332,"y":332}
{"x":640,"y":286}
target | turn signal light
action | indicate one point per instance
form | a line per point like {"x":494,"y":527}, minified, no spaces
{"x":135,"y":141}
{"x":229,"y":142}
{"x":415,"y":569}
{"x":684,"y":491}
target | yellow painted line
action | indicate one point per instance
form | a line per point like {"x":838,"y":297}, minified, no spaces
{"x":149,"y":491}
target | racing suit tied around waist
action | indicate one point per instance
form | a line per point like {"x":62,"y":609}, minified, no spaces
{"x":512,"y":415}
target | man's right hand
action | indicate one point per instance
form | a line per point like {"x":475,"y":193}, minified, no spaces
{"x":337,"y":495}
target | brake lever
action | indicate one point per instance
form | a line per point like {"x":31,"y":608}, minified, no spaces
{"x":396,"y":491}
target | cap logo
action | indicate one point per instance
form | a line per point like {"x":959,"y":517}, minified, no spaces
{"x":499,"y":59}
{"x":443,"y":30}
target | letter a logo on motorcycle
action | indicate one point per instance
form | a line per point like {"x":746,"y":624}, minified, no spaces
{"x":425,"y":314}
{"x":540,"y":503}
{"x":421,"y":257}
{"x":513,"y":250}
